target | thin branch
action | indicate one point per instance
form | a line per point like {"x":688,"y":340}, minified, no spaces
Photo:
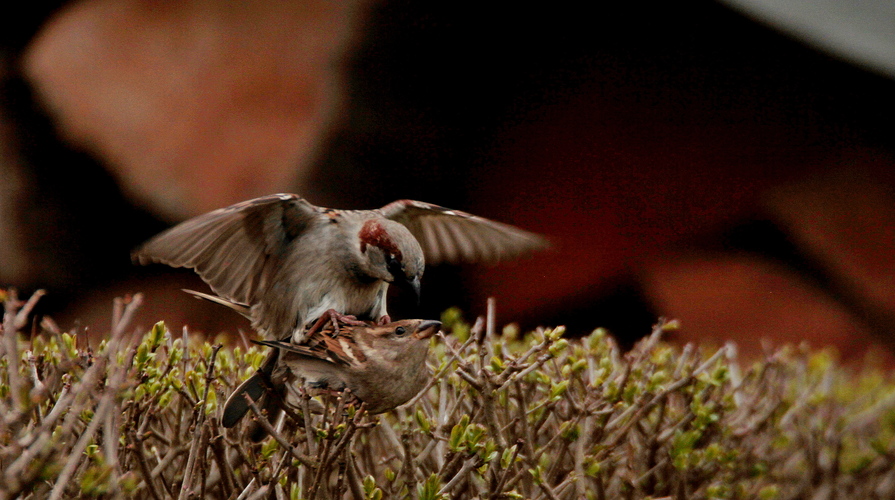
{"x":259,"y":417}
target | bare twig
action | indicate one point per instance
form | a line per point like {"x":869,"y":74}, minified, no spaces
{"x":137,"y":449}
{"x":199,"y":430}
{"x":128,"y":315}
{"x":303,"y":459}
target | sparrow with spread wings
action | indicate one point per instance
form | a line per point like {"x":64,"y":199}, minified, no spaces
{"x":285,"y":263}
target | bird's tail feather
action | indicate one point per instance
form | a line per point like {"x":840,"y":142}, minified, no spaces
{"x":258,"y":387}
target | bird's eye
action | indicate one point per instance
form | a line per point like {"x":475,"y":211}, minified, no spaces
{"x":400,"y":330}
{"x":394,"y":265}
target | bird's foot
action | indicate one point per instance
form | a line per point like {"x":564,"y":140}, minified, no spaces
{"x":337,"y":319}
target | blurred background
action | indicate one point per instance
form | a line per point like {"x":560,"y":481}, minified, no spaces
{"x":727,"y":164}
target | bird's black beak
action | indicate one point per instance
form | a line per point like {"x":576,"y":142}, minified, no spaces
{"x":413,"y":286}
{"x":428,"y":328}
{"x":401,"y":280}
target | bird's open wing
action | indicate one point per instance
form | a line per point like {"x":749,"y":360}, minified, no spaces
{"x":229,"y":247}
{"x":453,"y":236}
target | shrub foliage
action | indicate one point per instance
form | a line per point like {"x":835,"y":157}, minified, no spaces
{"x":505,"y":416}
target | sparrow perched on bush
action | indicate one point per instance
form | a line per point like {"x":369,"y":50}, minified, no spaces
{"x":284,"y":262}
{"x":384,"y":366}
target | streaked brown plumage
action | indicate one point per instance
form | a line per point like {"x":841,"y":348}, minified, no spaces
{"x":382,"y":365}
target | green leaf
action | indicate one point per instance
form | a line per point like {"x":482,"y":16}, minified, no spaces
{"x":557,"y":390}
{"x":430,"y":488}
{"x":506,"y":456}
{"x":536,"y":474}
{"x":157,"y":334}
{"x":369,"y":485}
{"x":422,"y":422}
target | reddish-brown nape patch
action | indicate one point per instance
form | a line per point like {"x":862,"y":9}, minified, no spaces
{"x":372,"y":233}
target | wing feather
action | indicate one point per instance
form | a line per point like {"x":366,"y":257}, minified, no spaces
{"x":463,"y":244}
{"x":425,"y":234}
{"x":321,"y":347}
{"x":447,"y":235}
{"x":443,"y":239}
{"x":229,"y":247}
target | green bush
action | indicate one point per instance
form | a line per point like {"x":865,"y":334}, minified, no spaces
{"x":505,"y":416}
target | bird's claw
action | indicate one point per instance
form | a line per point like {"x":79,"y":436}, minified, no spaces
{"x":337,"y":319}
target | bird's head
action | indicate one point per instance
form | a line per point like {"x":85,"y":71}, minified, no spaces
{"x":390,"y":253}
{"x":405,"y":342}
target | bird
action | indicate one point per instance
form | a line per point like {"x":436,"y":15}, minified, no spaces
{"x":382,"y":365}
{"x":285,"y":263}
